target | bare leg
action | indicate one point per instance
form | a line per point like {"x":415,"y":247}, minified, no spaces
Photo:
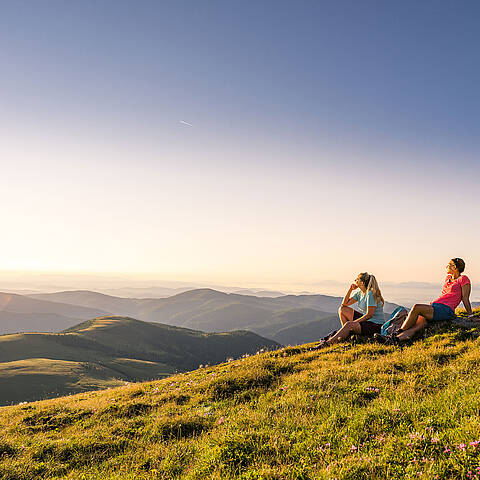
{"x":345,"y":314}
{"x":416,"y":321}
{"x":345,"y":332}
{"x":407,"y":334}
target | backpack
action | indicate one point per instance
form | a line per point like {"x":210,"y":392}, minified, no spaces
{"x":393,"y":324}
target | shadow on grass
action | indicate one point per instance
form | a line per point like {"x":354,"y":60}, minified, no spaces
{"x":81,"y":453}
{"x":251,"y":383}
{"x":52,"y":420}
{"x":7,"y":450}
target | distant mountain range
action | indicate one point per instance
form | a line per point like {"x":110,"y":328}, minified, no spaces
{"x":289,"y":319}
{"x":107,"y":351}
{"x":163,"y":292}
{"x":22,"y":313}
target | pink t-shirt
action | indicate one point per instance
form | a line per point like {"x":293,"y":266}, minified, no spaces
{"x":452,"y":291}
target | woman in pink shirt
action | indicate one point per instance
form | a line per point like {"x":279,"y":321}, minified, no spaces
{"x":456,"y":289}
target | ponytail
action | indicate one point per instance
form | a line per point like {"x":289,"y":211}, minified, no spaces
{"x":371,"y":284}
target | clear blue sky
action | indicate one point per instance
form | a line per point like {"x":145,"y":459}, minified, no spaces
{"x":322,"y":131}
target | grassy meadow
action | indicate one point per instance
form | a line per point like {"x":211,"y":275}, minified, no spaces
{"x":351,"y":411}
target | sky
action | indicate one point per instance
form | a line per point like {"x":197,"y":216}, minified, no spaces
{"x":243,"y":142}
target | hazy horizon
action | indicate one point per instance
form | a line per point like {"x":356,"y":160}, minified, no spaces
{"x":405,"y":293}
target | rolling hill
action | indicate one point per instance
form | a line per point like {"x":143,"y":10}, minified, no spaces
{"x":22,"y":313}
{"x":209,"y":310}
{"x":350,"y":412}
{"x":108,"y":351}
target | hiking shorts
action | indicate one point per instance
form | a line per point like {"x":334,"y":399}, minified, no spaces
{"x":442,"y":312}
{"x":370,"y":328}
{"x":357,"y":315}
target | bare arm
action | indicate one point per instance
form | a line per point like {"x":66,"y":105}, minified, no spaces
{"x":347,"y":301}
{"x":466,"y":289}
{"x":368,"y":315}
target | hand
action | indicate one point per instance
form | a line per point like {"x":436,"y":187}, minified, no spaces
{"x":353,"y":286}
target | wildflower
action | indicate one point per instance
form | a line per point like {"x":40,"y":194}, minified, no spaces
{"x":435,"y":440}
{"x":353,"y":448}
{"x":475,"y":444}
{"x":221,"y":420}
{"x":461,"y":446}
{"x":447,"y":450}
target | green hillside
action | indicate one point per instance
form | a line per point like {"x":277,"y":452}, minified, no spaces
{"x":106,"y":352}
{"x":352,"y":411}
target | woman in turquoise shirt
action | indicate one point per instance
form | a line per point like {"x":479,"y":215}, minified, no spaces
{"x":370,"y":303}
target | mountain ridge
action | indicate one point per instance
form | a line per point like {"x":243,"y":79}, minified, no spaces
{"x":207,"y":309}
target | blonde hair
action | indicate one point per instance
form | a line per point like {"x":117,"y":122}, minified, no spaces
{"x":371,"y":284}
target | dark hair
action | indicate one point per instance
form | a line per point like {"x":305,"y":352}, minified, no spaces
{"x":459,"y":263}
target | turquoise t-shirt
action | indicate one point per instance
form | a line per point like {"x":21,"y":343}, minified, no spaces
{"x":366,"y":300}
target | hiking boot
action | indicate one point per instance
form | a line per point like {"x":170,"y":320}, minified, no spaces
{"x":320,"y":345}
{"x":385,"y":340}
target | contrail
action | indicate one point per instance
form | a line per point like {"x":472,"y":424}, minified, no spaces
{"x":186,"y":123}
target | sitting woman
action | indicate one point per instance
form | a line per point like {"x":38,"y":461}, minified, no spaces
{"x":370,"y":303}
{"x":456,"y":289}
